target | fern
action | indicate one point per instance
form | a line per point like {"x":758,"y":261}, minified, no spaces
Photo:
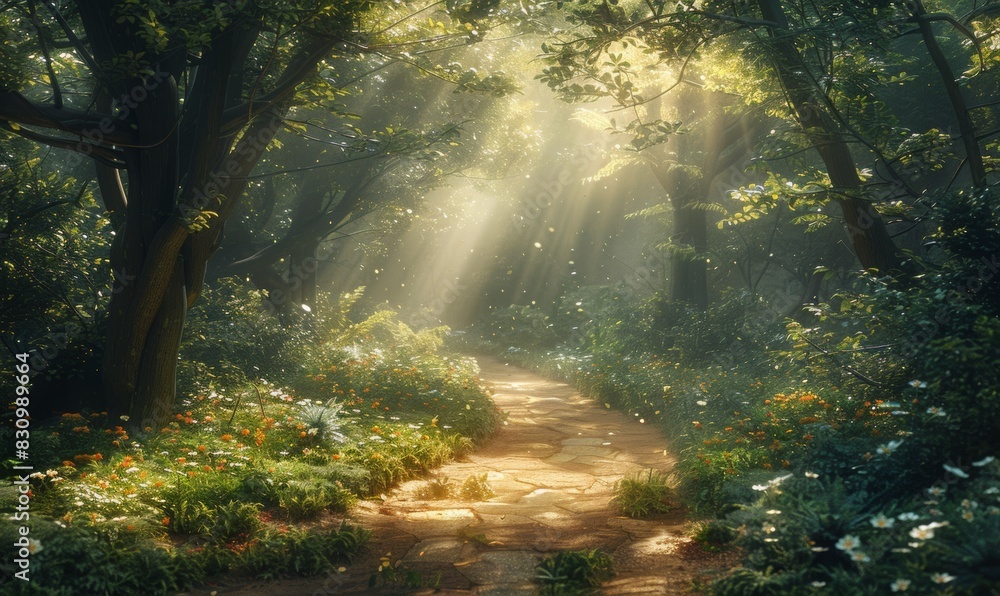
{"x":651,"y":212}
{"x":619,"y":162}
{"x":593,"y":120}
{"x":813,"y":221}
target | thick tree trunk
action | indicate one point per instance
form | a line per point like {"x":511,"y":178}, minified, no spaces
{"x":150,"y":239}
{"x":184,"y":175}
{"x":157,"y":375}
{"x":689,"y":265}
{"x":689,"y":272}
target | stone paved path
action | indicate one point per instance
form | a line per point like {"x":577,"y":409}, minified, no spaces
{"x":552,"y":467}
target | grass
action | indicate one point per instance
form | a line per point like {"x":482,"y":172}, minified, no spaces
{"x":239,"y":478}
{"x":643,"y":493}
{"x":574,"y":572}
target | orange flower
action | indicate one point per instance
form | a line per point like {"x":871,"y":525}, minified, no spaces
{"x":227,"y":437}
{"x":165,"y":521}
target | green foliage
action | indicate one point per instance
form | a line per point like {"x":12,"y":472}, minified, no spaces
{"x":65,"y":558}
{"x":643,"y":493}
{"x":305,"y":553}
{"x":230,"y":341}
{"x":439,"y":487}
{"x":714,"y":535}
{"x":321,"y":422}
{"x":215,"y":523}
{"x":307,"y":499}
{"x":574,"y":572}
{"x":812,"y":532}
{"x":476,"y":488}
{"x":522,"y":327}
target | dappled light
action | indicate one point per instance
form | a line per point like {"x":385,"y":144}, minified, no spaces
{"x":500,"y":297}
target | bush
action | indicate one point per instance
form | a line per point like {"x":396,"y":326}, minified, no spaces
{"x":714,"y":535}
{"x":477,"y":488}
{"x":642,"y":493}
{"x":574,"y":572}
{"x":295,"y":552}
{"x":440,"y":487}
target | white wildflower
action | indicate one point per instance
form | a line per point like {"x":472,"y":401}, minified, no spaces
{"x":848,"y":543}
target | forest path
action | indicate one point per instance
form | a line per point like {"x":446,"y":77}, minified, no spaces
{"x":552,"y":467}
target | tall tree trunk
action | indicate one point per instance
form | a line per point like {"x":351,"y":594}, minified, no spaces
{"x":185,"y":173}
{"x":689,"y":265}
{"x":870,"y":239}
{"x":967,"y":129}
{"x":157,"y":375}
{"x":689,"y":272}
{"x":150,"y":239}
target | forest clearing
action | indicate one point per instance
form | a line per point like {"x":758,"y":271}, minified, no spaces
{"x":500,"y":297}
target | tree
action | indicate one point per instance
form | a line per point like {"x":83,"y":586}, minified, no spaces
{"x":184,"y":101}
{"x":588,"y":65}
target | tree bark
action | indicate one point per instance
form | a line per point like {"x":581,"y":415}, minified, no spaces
{"x":689,"y":273}
{"x":870,"y":239}
{"x":689,"y":266}
{"x":967,"y":129}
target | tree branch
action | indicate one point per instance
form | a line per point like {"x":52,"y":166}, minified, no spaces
{"x":14,"y":107}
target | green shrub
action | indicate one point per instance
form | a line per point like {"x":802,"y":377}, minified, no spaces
{"x":477,"y":488}
{"x":574,"y":572}
{"x":295,"y":552}
{"x":66,"y":561}
{"x":305,"y":499}
{"x":217,"y":524}
{"x":643,"y":493}
{"x":439,"y":487}
{"x":714,"y":535}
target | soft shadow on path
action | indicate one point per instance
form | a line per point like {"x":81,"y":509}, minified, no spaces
{"x":552,"y":467}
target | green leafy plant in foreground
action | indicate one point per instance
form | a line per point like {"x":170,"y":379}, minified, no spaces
{"x":477,"y":488}
{"x":440,"y":487}
{"x":643,"y":493}
{"x":574,"y":572}
{"x":714,"y":535}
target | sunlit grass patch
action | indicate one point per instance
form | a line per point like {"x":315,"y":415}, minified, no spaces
{"x":643,"y":493}
{"x":477,"y":488}
{"x":218,"y":485}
